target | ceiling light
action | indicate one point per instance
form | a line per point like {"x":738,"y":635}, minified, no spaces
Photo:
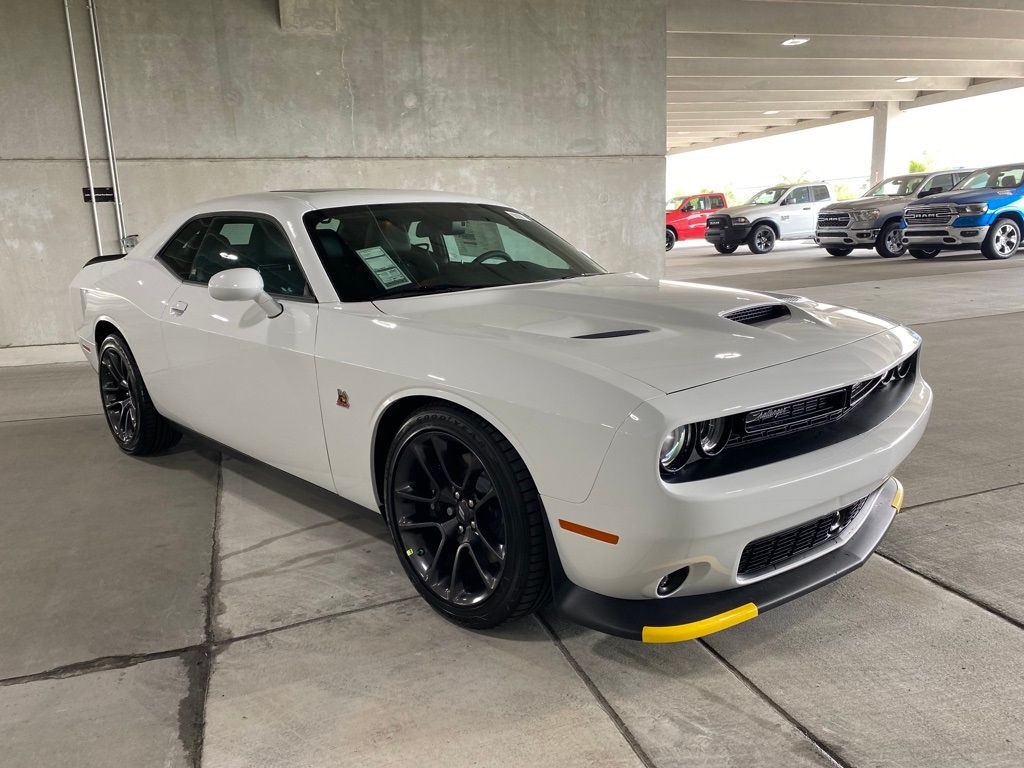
{"x":796,"y":41}
{"x":907,"y":79}
{"x":771,"y":112}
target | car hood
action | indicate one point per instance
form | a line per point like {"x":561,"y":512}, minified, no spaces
{"x":680,"y":338}
{"x":965,"y":196}
{"x":869,"y":203}
{"x":746,"y":210}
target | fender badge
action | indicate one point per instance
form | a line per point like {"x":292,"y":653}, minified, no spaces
{"x":343,"y":398}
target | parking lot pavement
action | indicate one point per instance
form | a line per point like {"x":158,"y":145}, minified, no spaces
{"x":199,"y":608}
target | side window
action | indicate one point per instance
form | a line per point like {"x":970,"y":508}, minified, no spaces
{"x":717,"y":201}
{"x":244,"y":241}
{"x":799,"y":196}
{"x":820,"y":193}
{"x":180,"y":253}
{"x":943,"y":183}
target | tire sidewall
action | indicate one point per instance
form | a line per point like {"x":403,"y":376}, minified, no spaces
{"x":989,"y":249}
{"x":670,"y":239}
{"x":118,"y":344}
{"x":502,"y":601}
{"x":726,"y":249}
{"x":753,"y":239}
{"x":923,"y":253}
{"x":882,"y":249}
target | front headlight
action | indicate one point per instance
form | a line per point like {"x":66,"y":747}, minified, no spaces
{"x":866,"y":217}
{"x":692,"y":442}
{"x":676,"y":449}
{"x":972,"y":209}
{"x":741,"y":220}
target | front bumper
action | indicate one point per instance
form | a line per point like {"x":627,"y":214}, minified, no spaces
{"x":945,"y":237}
{"x":834,"y":237}
{"x":676,"y":619}
{"x":732,"y":235}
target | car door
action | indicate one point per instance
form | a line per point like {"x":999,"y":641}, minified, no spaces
{"x":695,"y":218}
{"x":797,"y":214}
{"x":236,"y":375}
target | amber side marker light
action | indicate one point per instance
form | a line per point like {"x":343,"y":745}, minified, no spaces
{"x":593,"y":533}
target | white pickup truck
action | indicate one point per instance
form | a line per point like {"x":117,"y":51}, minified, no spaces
{"x":786,"y":212}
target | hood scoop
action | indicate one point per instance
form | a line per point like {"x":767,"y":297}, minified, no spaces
{"x":613,"y":334}
{"x":762,"y":313}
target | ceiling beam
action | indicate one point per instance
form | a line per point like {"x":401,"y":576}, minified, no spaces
{"x":853,"y":68}
{"x":784,"y":107}
{"x":747,"y":83}
{"x":971,"y":5}
{"x":736,"y":117}
{"x":706,"y":45}
{"x":801,"y":126}
{"x":728,"y":120}
{"x":980,"y":89}
{"x":788,"y":18}
{"x":772,"y":98}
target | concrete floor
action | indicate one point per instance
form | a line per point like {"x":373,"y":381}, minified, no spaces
{"x":200,"y":608}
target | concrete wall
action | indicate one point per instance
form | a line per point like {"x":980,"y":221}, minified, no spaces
{"x":556,"y":106}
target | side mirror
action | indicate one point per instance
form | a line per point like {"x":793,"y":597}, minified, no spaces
{"x":243,"y":284}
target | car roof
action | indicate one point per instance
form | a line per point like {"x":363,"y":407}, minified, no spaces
{"x":337,"y":198}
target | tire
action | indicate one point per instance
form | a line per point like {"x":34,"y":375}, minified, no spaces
{"x":1002,"y":240}
{"x":721,"y":248}
{"x":890,"y":243}
{"x":761,"y":239}
{"x":466,"y":518}
{"x":134,"y":423}
{"x":839,"y":251}
{"x":925,"y":253}
{"x":670,"y":239}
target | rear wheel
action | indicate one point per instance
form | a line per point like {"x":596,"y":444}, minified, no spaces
{"x":762,"y":239}
{"x":721,"y":248}
{"x":466,"y":518}
{"x":1002,"y":240}
{"x":890,"y":243}
{"x":925,"y":253}
{"x":840,"y":251}
{"x":133,"y":420}
{"x":670,"y":239}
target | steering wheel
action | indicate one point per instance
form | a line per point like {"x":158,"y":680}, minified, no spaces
{"x":492,"y":255}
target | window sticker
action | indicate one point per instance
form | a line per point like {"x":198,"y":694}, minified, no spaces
{"x":384,"y":268}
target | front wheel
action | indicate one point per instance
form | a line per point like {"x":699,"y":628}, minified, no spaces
{"x":133,"y":420}
{"x":670,"y":239}
{"x":1002,"y":240}
{"x":890,"y":243}
{"x":762,"y":239}
{"x":925,"y":253}
{"x":722,"y":248}
{"x":839,"y":251}
{"x":466,"y":518}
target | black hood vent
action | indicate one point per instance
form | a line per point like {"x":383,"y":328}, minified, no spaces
{"x":759,"y":314}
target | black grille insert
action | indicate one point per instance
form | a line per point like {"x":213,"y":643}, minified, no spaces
{"x":759,"y":314}
{"x":780,"y":548}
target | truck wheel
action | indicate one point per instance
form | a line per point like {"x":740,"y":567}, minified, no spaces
{"x":762,"y":239}
{"x":1002,"y":240}
{"x":925,"y":253}
{"x":721,"y":248}
{"x":839,"y":251}
{"x":890,"y":243}
{"x":670,"y":239}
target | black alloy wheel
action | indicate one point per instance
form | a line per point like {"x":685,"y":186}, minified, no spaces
{"x":670,"y":239}
{"x":721,"y":248}
{"x":133,"y":420}
{"x":466,"y":518}
{"x":762,"y":239}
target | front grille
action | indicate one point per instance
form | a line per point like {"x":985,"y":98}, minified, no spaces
{"x":718,"y":222}
{"x":833,"y":219}
{"x":923,"y":215}
{"x":759,"y":314}
{"x":780,"y":548}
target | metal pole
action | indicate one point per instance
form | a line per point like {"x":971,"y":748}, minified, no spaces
{"x":111,"y":157}
{"x":85,"y":139}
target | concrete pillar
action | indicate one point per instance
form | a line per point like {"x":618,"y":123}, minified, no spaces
{"x":309,"y":16}
{"x":882,"y":114}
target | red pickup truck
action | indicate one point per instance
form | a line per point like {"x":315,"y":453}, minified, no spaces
{"x":686,"y":218}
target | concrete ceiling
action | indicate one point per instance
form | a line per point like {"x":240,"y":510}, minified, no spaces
{"x":727,"y":66}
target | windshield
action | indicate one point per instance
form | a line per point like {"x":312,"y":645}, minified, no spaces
{"x":674,"y":203}
{"x":385,"y":251}
{"x":898,"y":186}
{"x":768,"y":196}
{"x":994,"y":178}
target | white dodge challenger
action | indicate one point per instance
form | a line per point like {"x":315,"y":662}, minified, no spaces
{"x":660,"y":460}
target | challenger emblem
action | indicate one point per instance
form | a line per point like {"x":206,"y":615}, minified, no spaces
{"x":342,"y":398}
{"x":768,"y":414}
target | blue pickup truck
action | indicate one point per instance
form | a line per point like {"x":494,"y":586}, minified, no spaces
{"x":985,"y":210}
